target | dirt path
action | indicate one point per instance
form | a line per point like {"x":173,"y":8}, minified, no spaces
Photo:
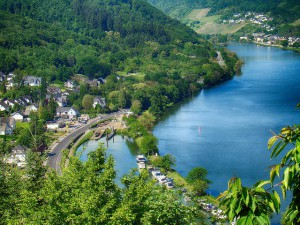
{"x":220,"y":59}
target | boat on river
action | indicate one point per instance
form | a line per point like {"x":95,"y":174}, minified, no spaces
{"x":142,"y":165}
{"x":141,"y":158}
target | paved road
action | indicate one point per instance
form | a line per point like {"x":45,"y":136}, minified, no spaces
{"x":54,"y":161}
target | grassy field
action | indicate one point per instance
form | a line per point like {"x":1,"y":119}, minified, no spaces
{"x":138,"y":76}
{"x":215,"y":28}
{"x":296,"y":23}
{"x":197,"y":14}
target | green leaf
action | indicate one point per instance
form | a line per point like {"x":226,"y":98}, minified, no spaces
{"x":253,"y":205}
{"x":286,"y":177}
{"x":277,"y":150}
{"x":276,"y":200}
{"x":245,"y":196}
{"x":246,"y":220}
{"x":261,"y":220}
{"x":261,"y":183}
{"x":271,"y":141}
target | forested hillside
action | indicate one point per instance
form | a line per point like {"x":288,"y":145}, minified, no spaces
{"x":287,"y":10}
{"x":56,"y":39}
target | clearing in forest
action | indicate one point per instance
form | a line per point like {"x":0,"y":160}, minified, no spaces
{"x":197,"y":14}
{"x":216,"y":28}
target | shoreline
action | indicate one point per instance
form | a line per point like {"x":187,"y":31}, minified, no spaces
{"x":276,"y":46}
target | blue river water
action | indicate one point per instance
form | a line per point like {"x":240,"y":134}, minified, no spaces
{"x":225,"y":129}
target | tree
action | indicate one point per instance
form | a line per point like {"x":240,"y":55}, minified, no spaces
{"x":35,"y":170}
{"x":149,"y":144}
{"x":37,"y":130}
{"x":136,"y":106}
{"x":197,"y":178}
{"x":165,"y":162}
{"x":147,"y":120}
{"x":87,"y":102}
{"x":284,"y":43}
{"x":197,"y":173}
{"x":122,"y":99}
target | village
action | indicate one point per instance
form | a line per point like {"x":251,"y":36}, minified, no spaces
{"x":251,"y":17}
{"x":267,"y":37}
{"x":17,"y":110}
{"x":272,"y":40}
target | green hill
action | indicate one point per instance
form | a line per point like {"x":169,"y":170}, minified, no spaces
{"x":57,"y":39}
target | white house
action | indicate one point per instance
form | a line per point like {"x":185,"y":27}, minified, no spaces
{"x":28,"y":99}
{"x":7,"y":125}
{"x":52,"y":126}
{"x":30,"y":108}
{"x":10,"y":102}
{"x":4,"y":106}
{"x":10,"y":76}
{"x":53,"y":90}
{"x":17,"y":116}
{"x":99,"y":101}
{"x":67,"y":112}
{"x":32,"y":81}
{"x":17,"y":156}
{"x":70,"y":84}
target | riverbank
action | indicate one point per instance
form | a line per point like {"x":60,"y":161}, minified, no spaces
{"x":277,"y":46}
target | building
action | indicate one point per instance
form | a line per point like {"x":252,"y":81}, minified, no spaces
{"x":32,"y":81}
{"x":52,"y":90}
{"x":30,"y":108}
{"x":17,"y":156}
{"x":10,"y":102}
{"x":52,"y":126}
{"x":67,"y":112}
{"x":17,"y":116}
{"x":70,"y":84}
{"x":4,"y":106}
{"x":7,"y":125}
{"x":99,"y":101}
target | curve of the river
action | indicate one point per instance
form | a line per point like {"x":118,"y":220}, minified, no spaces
{"x":225,"y":129}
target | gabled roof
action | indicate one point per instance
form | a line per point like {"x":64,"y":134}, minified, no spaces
{"x":17,"y":113}
{"x":65,"y":109}
{"x":4,"y":105}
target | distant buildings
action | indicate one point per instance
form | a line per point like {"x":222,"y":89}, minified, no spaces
{"x":99,"y":101}
{"x":32,"y":81}
{"x":7,"y":125}
{"x":17,"y":156}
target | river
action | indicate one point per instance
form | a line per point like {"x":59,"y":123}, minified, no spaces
{"x":226,"y":129}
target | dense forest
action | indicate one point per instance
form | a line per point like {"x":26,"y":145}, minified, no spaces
{"x":96,"y":38}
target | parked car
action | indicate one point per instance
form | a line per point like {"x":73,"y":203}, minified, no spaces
{"x":50,"y":153}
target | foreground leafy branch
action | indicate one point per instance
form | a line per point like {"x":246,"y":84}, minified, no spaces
{"x":254,"y":205}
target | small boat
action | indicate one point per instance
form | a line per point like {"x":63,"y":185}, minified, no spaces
{"x":156,"y":174}
{"x":141,"y":165}
{"x":141,"y":158}
{"x":169,"y":185}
